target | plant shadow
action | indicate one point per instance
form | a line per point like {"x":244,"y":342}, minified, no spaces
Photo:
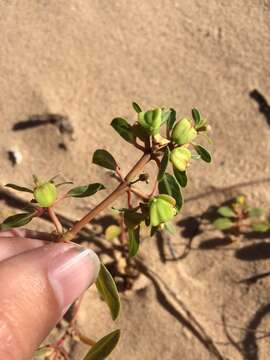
{"x":248,"y":344}
{"x":254,"y":252}
{"x":263,"y":104}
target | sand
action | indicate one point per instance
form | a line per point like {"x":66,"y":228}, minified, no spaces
{"x":87,"y":61}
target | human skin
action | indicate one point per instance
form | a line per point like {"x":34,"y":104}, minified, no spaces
{"x":39,"y":281}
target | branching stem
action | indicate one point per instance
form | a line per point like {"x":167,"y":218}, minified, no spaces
{"x":121,"y":189}
{"x":139,"y":193}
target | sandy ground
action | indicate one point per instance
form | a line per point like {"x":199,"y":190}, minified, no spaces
{"x":88,"y":60}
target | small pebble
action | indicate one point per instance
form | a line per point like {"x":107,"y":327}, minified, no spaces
{"x":15,"y":157}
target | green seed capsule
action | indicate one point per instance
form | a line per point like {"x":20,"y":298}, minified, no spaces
{"x":183,"y":132}
{"x":161,"y":209}
{"x":45,"y":194}
{"x":180,"y":157}
{"x":151,"y":120}
{"x":167,"y":198}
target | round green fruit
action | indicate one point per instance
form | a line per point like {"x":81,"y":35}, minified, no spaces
{"x":180,"y":158}
{"x":45,"y":194}
{"x":162,"y":209}
{"x":183,"y":132}
{"x":151,"y":120}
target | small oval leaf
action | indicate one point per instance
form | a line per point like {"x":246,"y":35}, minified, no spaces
{"x":223,"y":223}
{"x":180,"y":176}
{"x":84,"y":191}
{"x":140,"y":132}
{"x":123,"y":128}
{"x":19,"y":188}
{"x":103,"y":347}
{"x":17,"y":220}
{"x":168,"y":185}
{"x":43,"y":351}
{"x":133,"y":241}
{"x":103,"y":158}
{"x":196,"y":116}
{"x":136,"y":107}
{"x":164,"y":164}
{"x":171,"y":119}
{"x":132,"y":218}
{"x":108,"y":290}
{"x":226,"y":211}
{"x":165,"y":115}
{"x":260,"y":227}
{"x":255,"y":212}
{"x":204,"y":154}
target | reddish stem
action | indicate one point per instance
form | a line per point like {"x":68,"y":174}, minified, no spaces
{"x":140,"y":194}
{"x":138,"y":146}
{"x":118,"y":172}
{"x":55,"y":220}
{"x":129,"y":198}
{"x":121,"y":189}
{"x":123,"y":231}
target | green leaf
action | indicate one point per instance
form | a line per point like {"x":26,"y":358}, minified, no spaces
{"x":123,"y":128}
{"x":103,"y":347}
{"x":132,"y":218}
{"x":84,"y":191}
{"x":166,"y":113}
{"x":133,"y":241}
{"x":17,"y":220}
{"x":43,"y":351}
{"x":108,"y":290}
{"x":260,"y":227}
{"x":112,"y":232}
{"x":19,"y":188}
{"x":136,"y":107}
{"x":180,"y":176}
{"x":105,"y":159}
{"x":226,"y":211}
{"x":223,"y":223}
{"x":168,"y":185}
{"x":140,"y":132}
{"x":164,"y":164}
{"x":196,"y":116}
{"x":255,"y":212}
{"x":171,"y":120}
{"x":205,"y":155}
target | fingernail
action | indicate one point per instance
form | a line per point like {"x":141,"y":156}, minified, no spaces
{"x":71,"y":272}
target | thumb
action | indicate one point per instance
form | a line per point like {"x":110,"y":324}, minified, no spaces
{"x":36,"y":289}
